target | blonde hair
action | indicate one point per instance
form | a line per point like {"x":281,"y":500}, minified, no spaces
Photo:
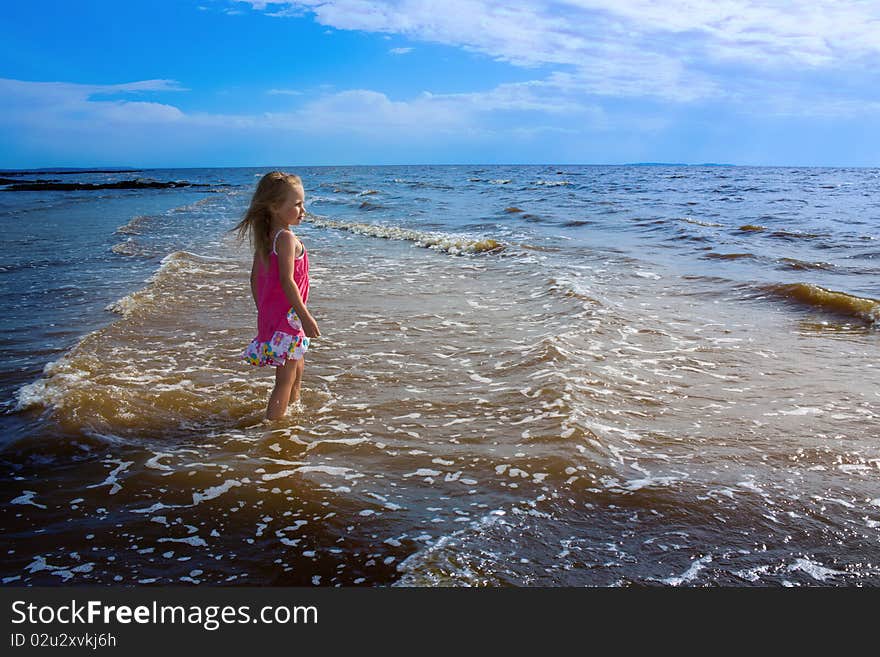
{"x":271,"y":192}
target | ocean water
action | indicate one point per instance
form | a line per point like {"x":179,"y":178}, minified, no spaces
{"x":527,"y":376}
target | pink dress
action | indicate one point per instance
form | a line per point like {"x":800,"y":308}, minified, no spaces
{"x":279,"y":331}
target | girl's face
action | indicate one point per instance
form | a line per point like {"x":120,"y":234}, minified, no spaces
{"x":293,"y":209}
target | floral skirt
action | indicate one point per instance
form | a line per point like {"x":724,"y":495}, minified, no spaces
{"x":280,"y":348}
{"x":276,"y":351}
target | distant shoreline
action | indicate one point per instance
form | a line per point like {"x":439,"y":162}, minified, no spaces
{"x":25,"y":185}
{"x":63,"y":171}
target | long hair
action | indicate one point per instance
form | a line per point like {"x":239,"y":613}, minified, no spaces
{"x":270,"y":194}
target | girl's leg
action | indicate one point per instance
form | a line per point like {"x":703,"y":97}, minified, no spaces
{"x":297,"y":381}
{"x":278,"y":400}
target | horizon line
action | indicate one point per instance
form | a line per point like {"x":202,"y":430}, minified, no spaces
{"x":123,"y":169}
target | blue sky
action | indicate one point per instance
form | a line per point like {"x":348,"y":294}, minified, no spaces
{"x":233,"y":83}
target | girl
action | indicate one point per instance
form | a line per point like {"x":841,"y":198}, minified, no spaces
{"x":280,"y":286}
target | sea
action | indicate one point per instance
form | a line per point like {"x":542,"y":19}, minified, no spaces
{"x":603,"y":376}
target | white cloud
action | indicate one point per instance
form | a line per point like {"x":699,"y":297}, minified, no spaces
{"x":70,"y":90}
{"x":73,"y":121}
{"x":679,"y":50}
{"x":357,"y":111}
{"x":810,"y":32}
{"x":400,"y":51}
{"x":772,"y":32}
{"x":370,"y":112}
{"x":551,"y":96}
{"x":284,"y":92}
{"x":35,"y":102}
{"x":137,"y":112}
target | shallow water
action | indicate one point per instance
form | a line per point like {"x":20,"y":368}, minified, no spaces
{"x":604,"y":376}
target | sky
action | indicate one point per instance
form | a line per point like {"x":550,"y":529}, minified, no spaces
{"x":216,"y":83}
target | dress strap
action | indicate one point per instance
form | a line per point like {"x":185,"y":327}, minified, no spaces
{"x":275,"y":241}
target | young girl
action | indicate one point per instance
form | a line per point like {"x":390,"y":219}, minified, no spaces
{"x":280,"y":286}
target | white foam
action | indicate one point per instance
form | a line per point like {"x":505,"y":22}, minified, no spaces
{"x":814,"y":570}
{"x":753,"y":575}
{"x":155,"y":507}
{"x":341,"y":441}
{"x":195,"y":541}
{"x":850,"y":468}
{"x":112,"y":479}
{"x":27,"y":497}
{"x":638,"y":484}
{"x":750,"y":485}
{"x":39,"y":564}
{"x":326,"y":469}
{"x":423,"y":472}
{"x":279,"y":475}
{"x":448,"y":242}
{"x":215,"y":491}
{"x":690,"y":573}
{"x":803,"y":410}
{"x":153,"y":462}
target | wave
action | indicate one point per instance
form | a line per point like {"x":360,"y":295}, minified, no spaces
{"x":133,"y":227}
{"x":130,"y":247}
{"x":780,"y":234}
{"x":329,"y":199}
{"x":138,"y":223}
{"x":553,"y":183}
{"x":794,"y":263}
{"x":728,"y":256}
{"x":839,"y":303}
{"x":155,"y":368}
{"x":791,"y":234}
{"x":195,"y":205}
{"x":697,"y":222}
{"x":173,"y":266}
{"x":568,"y":287}
{"x":420,"y":183}
{"x":440,"y":563}
{"x":450,"y":243}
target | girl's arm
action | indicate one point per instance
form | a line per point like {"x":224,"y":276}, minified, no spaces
{"x":284,"y":247}
{"x":254,"y":280}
